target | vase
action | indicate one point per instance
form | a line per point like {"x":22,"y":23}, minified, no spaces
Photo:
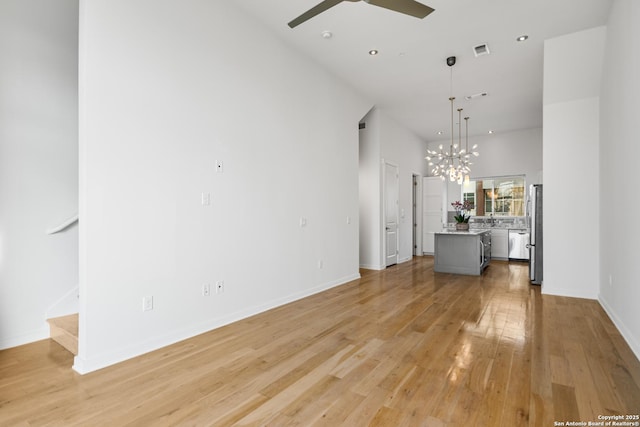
{"x":462,"y":226}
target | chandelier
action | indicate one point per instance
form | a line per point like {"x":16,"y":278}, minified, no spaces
{"x":456,"y":162}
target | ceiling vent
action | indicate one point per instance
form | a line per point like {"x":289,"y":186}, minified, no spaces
{"x":481,"y":49}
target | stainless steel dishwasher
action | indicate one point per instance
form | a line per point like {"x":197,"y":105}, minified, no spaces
{"x":518,"y":241}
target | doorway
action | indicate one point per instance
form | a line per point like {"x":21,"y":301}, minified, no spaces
{"x":414,"y":213}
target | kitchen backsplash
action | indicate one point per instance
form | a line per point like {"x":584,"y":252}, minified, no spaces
{"x":487,"y":221}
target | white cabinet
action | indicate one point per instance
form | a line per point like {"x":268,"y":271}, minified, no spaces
{"x":432,"y":192}
{"x":499,"y":243}
{"x":454,"y":194}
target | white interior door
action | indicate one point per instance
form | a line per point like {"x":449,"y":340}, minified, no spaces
{"x":392,"y":188}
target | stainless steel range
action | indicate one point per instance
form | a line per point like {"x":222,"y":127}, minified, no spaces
{"x":485,"y":250}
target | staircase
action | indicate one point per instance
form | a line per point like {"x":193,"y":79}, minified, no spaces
{"x":64,"y":331}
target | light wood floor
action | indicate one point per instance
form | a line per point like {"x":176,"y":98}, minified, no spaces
{"x":401,"y":347}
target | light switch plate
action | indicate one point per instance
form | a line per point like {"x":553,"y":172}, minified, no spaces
{"x":147,"y":303}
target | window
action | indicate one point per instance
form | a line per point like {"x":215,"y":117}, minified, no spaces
{"x":470,"y":196}
{"x":497,"y":196}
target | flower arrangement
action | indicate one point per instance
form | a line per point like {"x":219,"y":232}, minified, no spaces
{"x":462,"y":208}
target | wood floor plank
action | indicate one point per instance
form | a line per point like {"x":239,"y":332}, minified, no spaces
{"x":565,"y":405}
{"x":586,"y":389}
{"x":399,"y":347}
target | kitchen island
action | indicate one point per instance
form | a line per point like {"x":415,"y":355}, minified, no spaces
{"x":462,"y":252}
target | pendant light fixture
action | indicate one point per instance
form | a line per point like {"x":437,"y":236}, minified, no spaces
{"x":454,"y":163}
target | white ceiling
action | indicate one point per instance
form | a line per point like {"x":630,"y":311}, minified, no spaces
{"x":410,"y":80}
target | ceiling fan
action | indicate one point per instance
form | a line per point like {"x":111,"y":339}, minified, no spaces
{"x":408,"y":7}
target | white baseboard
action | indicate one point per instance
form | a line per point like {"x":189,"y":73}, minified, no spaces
{"x":85,"y":365}
{"x":568,"y":292}
{"x":25,"y":338}
{"x":382,"y":267}
{"x":372,"y":267}
{"x":67,"y":304}
{"x":628,"y":336}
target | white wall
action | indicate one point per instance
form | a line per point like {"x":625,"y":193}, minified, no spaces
{"x":570,"y":162}
{"x":619,"y":204}
{"x":166,"y":90}
{"x":384,"y":140}
{"x":370,"y":193}
{"x":38,"y":162}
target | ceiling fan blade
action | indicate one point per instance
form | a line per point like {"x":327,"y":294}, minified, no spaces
{"x":408,"y":7}
{"x":316,"y":10}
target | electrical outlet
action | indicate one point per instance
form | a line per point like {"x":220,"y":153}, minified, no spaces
{"x":147,"y":303}
{"x":220,"y":287}
{"x":303,"y":221}
{"x":206,"y":199}
{"x":320,"y":264}
{"x":206,"y":290}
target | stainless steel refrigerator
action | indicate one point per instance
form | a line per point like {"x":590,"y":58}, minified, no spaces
{"x":535,"y":236}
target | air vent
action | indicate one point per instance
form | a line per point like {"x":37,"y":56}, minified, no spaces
{"x":481,"y":49}
{"x":361,"y":125}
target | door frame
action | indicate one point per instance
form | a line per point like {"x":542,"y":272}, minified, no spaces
{"x":417,"y":212}
{"x":383,"y":255}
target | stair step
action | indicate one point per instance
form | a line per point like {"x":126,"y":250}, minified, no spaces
{"x":64,"y":331}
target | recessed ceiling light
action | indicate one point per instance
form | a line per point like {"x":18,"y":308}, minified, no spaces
{"x":373,"y":52}
{"x":522,"y":38}
{"x":439,"y":132}
{"x":327,"y":34}
{"x":490,"y":132}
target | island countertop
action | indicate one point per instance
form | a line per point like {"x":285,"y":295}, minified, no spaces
{"x":472,"y":232}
